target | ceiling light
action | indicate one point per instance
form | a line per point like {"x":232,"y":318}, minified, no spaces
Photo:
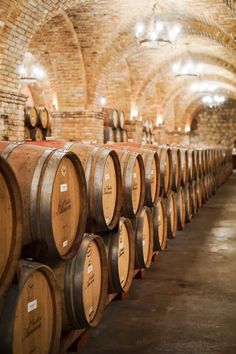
{"x":30,"y":71}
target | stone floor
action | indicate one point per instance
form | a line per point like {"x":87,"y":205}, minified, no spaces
{"x":186,"y":303}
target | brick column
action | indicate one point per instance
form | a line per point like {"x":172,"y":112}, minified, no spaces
{"x":11,"y":116}
{"x":134,"y":130}
{"x":83,"y":126}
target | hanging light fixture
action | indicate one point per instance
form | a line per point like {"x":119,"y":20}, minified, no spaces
{"x":214,"y":100}
{"x":187,"y":68}
{"x":156,"y":31}
{"x":30,"y":71}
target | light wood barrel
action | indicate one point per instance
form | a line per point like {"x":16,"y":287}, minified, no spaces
{"x":171,"y":212}
{"x":180,"y":203}
{"x":201,"y":167}
{"x":109,"y":134}
{"x":30,"y":321}
{"x":166,"y":172}
{"x":121,"y":119}
{"x":117,"y":134}
{"x":27,"y":135}
{"x":83,"y":284}
{"x":120,"y":249}
{"x":10,"y":224}
{"x":176,"y":168}
{"x":199,"y":194}
{"x":188,"y":204}
{"x":184,"y":166}
{"x":195,"y":157}
{"x":144,"y":239}
{"x":53,"y":189}
{"x":193,"y":197}
{"x":124,"y":135}
{"x":31,"y":117}
{"x":43,"y":117}
{"x":190,"y":165}
{"x":203,"y":190}
{"x":159,"y":225}
{"x":37,"y":134}
{"x":111,"y":118}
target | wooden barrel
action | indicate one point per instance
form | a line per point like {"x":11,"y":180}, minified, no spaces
{"x":37,"y":134}
{"x":206,"y":186}
{"x":124,"y":135}
{"x":83,"y":284}
{"x":171,"y":211}
{"x":188,"y":204}
{"x":30,"y":321}
{"x":201,"y":167}
{"x":120,"y":248}
{"x":176,"y":168}
{"x":190,"y":165}
{"x":203,"y":190}
{"x":159,"y":225}
{"x":27,"y":135}
{"x":121,"y":119}
{"x":31,"y":117}
{"x":143,"y":239}
{"x":111,"y":118}
{"x":195,"y":157}
{"x":180,"y":203}
{"x":117,"y":134}
{"x":193,"y":197}
{"x":104,"y":184}
{"x":109,"y":134}
{"x":43,"y":117}
{"x":184,"y":166}
{"x":10,"y":224}
{"x":199,"y":193}
{"x":53,"y":189}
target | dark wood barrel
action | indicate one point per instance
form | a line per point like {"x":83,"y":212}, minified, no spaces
{"x":31,"y":117}
{"x":104,"y":184}
{"x":188,"y":204}
{"x":124,"y":135}
{"x":53,"y":189}
{"x":83,"y":283}
{"x":117,"y":134}
{"x":193,"y":196}
{"x":30,"y":320}
{"x":203,"y":190}
{"x":199,"y":193}
{"x":195,"y":157}
{"x":37,"y":134}
{"x":159,"y":225}
{"x":27,"y":135}
{"x":43,"y":117}
{"x":176,"y":168}
{"x":190,"y":165}
{"x":121,"y":119}
{"x":206,"y":186}
{"x":111,"y":118}
{"x":109,"y":134}
{"x":180,"y":203}
{"x":143,"y":225}
{"x":184,"y":166}
{"x":10,"y":224}
{"x":120,"y":249}
{"x":171,"y":212}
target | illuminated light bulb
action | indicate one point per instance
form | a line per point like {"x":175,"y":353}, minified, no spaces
{"x":187,"y":129}
{"x":176,"y":68}
{"x":159,"y":26}
{"x":103,"y":101}
{"x":199,"y":67}
{"x":152,"y":36}
{"x":174,"y":32}
{"x":159,"y":120}
{"x":139,"y":29}
{"x":21,"y":70}
{"x":134,"y":112}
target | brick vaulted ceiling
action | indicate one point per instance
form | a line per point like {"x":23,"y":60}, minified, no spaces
{"x":89,"y":50}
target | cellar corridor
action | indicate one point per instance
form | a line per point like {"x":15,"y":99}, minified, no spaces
{"x":186,"y":302}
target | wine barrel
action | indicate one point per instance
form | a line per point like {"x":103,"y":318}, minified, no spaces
{"x":171,"y":212}
{"x":176,"y":168}
{"x":195,"y":157}
{"x":190,"y":165}
{"x":188,"y":204}
{"x":30,"y":321}
{"x":10,"y":224}
{"x":109,"y":134}
{"x":199,"y":194}
{"x":117,"y":134}
{"x":104,"y":185}
{"x":43,"y":117}
{"x":166,"y":172}
{"x":31,"y":117}
{"x":180,"y":203}
{"x":83,"y":284}
{"x":203,"y":190}
{"x":27,"y":135}
{"x":193,"y":197}
{"x":184,"y":166}
{"x":124,"y":135}
{"x":159,"y":225}
{"x":121,"y":119}
{"x":111,"y":118}
{"x":201,"y":163}
{"x":53,"y":188}
{"x":120,"y":253}
{"x":37,"y":134}
{"x":143,"y":239}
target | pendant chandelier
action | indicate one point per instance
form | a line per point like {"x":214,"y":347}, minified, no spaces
{"x":30,"y":71}
{"x":187,"y":68}
{"x":156,"y":31}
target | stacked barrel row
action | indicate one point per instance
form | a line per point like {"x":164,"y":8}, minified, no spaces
{"x":114,"y":125}
{"x":37,"y":123}
{"x":77,"y":220}
{"x":147,"y":137}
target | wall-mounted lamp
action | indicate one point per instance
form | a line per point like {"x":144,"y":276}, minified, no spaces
{"x":103,"y":101}
{"x":133,"y":113}
{"x":159,"y":121}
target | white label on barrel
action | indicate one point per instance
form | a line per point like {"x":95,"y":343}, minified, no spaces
{"x":107,"y":176}
{"x":65,"y":243}
{"x":144,"y":242}
{"x":32,"y":305}
{"x":90,"y":309}
{"x":121,"y":245}
{"x":64,"y":187}
{"x":90,"y":268}
{"x":134,"y":174}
